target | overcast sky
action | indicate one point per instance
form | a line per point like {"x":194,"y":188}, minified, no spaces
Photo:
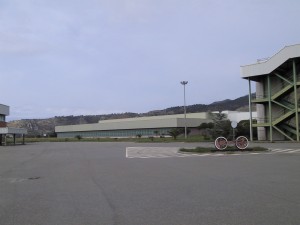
{"x":75,"y":57}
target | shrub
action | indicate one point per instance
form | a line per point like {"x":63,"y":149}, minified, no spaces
{"x":151,"y":138}
{"x":78,"y":137}
{"x":175,"y":132}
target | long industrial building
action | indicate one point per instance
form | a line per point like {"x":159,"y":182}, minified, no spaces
{"x":145,"y":126}
{"x":277,"y":94}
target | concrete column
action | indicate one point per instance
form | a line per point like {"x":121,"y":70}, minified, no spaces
{"x":260,"y":109}
{"x":296,"y":98}
{"x":260,"y":93}
{"x":270,"y":108}
{"x":5,"y":139}
{"x":250,"y":110}
{"x":261,"y":131}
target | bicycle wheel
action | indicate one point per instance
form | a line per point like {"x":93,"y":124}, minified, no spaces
{"x":221,"y":143}
{"x":241,"y":142}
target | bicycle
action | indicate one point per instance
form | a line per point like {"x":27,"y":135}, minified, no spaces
{"x":240,"y":142}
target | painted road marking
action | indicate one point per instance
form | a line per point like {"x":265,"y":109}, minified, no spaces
{"x":156,"y":152}
{"x":278,"y":150}
{"x":168,"y":152}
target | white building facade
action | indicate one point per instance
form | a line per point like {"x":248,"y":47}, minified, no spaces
{"x":5,"y":131}
{"x":277,"y":94}
{"x":145,"y":126}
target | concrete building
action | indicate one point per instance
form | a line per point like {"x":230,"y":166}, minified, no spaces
{"x":130,"y":127}
{"x":145,"y":126}
{"x":238,"y":116}
{"x":4,"y":111}
{"x":5,"y":131}
{"x":277,"y":94}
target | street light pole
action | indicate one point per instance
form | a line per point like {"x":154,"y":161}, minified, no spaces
{"x":185,"y":129}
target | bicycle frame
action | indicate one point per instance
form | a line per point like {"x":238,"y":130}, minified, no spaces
{"x":240,"y":142}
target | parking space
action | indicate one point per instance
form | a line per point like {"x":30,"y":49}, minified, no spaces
{"x":167,"y":152}
{"x":94,"y":183}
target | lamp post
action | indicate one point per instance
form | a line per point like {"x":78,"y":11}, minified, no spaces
{"x":185,"y":130}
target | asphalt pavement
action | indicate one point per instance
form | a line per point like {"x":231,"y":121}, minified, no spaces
{"x":95,"y":183}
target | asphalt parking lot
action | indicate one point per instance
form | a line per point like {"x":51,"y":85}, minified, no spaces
{"x":97,"y":183}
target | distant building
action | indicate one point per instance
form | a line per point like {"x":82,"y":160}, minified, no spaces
{"x":145,"y":126}
{"x":238,"y":116}
{"x":5,"y":131}
{"x":4,"y":111}
{"x":277,"y":94}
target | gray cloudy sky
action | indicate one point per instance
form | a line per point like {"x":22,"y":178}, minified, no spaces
{"x":74,"y":57}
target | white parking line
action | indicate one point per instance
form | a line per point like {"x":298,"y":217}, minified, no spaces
{"x":294,"y":151}
{"x":274,"y":151}
{"x":281,"y":150}
{"x":155,"y":152}
{"x":168,"y":152}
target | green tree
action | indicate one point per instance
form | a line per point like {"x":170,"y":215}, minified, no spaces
{"x":222,"y":126}
{"x":206,"y":130}
{"x":209,"y":125}
{"x":175,"y":132}
{"x":52,"y":134}
{"x":78,"y":137}
{"x":243,"y":129}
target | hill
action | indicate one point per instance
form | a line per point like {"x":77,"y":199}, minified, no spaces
{"x":37,"y":127}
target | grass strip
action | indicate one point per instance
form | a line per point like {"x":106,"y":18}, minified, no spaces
{"x":227,"y":150}
{"x":108,"y":139}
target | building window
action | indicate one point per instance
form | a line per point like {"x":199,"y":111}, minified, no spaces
{"x":2,"y":118}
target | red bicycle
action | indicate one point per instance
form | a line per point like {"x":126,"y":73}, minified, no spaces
{"x":240,"y":142}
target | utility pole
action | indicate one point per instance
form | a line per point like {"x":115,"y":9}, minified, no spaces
{"x":185,"y":128}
